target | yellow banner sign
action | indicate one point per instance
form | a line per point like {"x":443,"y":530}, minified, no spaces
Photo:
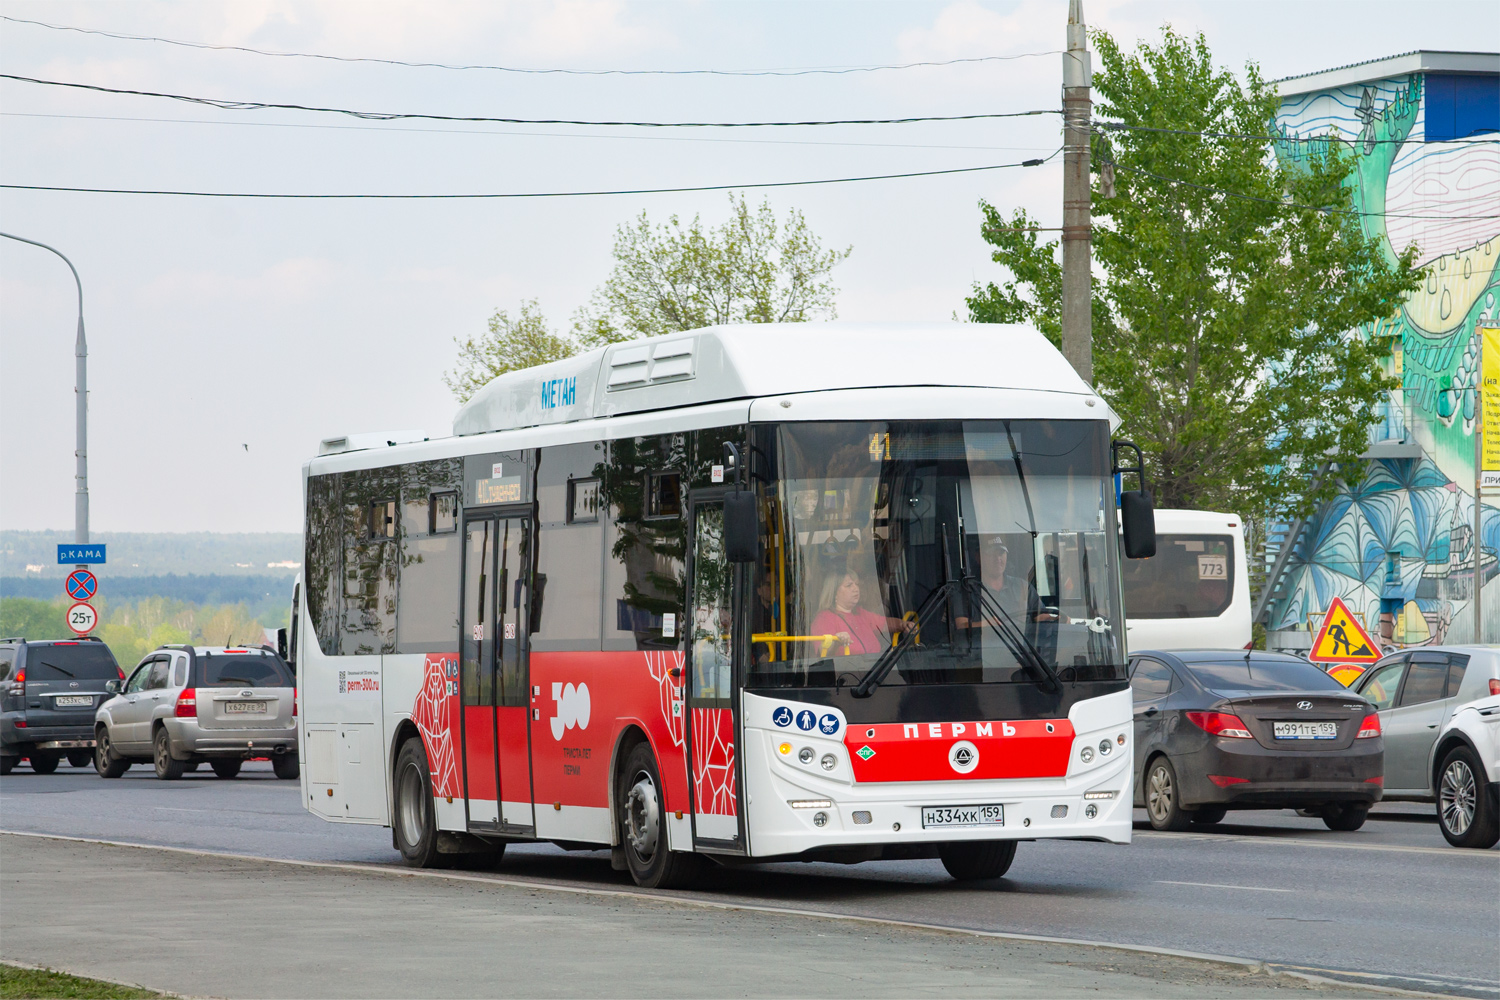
{"x":1489,"y":404}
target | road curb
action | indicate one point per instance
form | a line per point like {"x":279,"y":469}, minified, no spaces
{"x":1254,"y":965}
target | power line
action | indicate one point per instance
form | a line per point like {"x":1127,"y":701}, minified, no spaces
{"x":226,"y":105}
{"x":1121,"y":126}
{"x":808,"y":71}
{"x":560,"y":135}
{"x":1310,"y":208}
{"x":534,"y":194}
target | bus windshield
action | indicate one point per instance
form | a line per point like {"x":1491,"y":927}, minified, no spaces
{"x":989,"y":545}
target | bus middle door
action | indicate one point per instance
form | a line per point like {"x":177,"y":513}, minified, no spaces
{"x":713,"y":711}
{"x":496,"y":756}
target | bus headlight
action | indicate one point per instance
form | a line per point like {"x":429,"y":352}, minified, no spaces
{"x":805,"y":755}
{"x":829,"y":762}
{"x":1086,"y":754}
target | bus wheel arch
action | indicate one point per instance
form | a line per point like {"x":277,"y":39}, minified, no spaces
{"x":639,"y":805}
{"x":629,"y":737}
{"x":413,"y":817}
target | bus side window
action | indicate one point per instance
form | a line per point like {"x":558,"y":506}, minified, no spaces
{"x":431,"y":550}
{"x":643,"y":555}
{"x":322,"y":559}
{"x":371,"y":567}
{"x":568,"y":587}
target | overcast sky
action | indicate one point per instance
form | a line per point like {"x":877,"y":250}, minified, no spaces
{"x":215,"y":325}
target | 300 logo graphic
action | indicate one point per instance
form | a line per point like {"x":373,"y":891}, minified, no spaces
{"x":572,"y":708}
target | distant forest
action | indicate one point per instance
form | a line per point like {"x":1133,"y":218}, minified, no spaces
{"x":33,"y":555}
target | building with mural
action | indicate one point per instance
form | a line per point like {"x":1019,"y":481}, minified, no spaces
{"x":1397,"y":543}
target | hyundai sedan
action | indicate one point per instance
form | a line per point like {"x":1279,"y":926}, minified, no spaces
{"x":1219,"y":729}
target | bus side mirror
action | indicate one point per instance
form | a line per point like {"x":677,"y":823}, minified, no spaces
{"x":1138,"y":523}
{"x":281,"y":644}
{"x":741,"y":527}
{"x":1137,"y":518}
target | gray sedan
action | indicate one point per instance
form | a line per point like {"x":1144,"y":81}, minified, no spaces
{"x":187,"y":704}
{"x":1416,"y":691}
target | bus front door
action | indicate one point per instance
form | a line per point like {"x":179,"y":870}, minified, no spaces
{"x":496,"y":756}
{"x":713,"y":714}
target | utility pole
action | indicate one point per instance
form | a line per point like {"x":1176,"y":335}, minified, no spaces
{"x":1077,"y":327}
{"x":81,"y":407}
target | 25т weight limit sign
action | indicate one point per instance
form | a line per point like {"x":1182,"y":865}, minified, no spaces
{"x":82,"y":618}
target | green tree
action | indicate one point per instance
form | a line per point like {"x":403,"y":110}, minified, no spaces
{"x":752,"y":269}
{"x":1226,"y":286}
{"x":515,"y":343}
{"x":755,"y":268}
{"x":28,"y":618}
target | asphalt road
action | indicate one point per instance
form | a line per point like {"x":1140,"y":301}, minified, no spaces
{"x":1390,"y":904}
{"x":362,"y":931}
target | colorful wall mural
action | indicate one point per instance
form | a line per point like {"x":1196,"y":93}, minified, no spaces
{"x":1397,"y":545}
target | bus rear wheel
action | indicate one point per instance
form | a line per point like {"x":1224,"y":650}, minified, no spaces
{"x":977,"y":859}
{"x":414,"y":822}
{"x":643,"y":827}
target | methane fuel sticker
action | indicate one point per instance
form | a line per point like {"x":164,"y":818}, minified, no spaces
{"x":1342,"y":640}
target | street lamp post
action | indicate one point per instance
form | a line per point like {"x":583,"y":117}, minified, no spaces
{"x":81,"y":353}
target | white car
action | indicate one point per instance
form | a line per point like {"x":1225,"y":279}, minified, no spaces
{"x":1468,"y":794}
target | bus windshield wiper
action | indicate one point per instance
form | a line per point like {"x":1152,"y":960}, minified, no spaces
{"x":887,"y":659}
{"x":1014,"y":637}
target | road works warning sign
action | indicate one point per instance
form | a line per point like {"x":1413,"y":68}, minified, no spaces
{"x":1342,"y":640}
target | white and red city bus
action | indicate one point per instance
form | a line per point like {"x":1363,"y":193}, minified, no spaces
{"x":805,"y":591}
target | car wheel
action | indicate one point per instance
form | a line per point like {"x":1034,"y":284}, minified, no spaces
{"x":414,"y":822}
{"x":45,"y":763}
{"x":1164,"y":797}
{"x":1465,"y":809}
{"x":1208,"y":815}
{"x":226,"y":767}
{"x":643,"y":828}
{"x":8,"y":764}
{"x":975,"y":860}
{"x":108,"y":763}
{"x":286,"y":766}
{"x":80,"y":758}
{"x":168,"y":768}
{"x":1346,"y":816}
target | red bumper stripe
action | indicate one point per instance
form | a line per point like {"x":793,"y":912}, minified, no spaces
{"x":950,"y":751}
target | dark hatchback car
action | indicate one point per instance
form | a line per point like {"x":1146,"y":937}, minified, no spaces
{"x":1220,"y":729}
{"x":48,"y":693}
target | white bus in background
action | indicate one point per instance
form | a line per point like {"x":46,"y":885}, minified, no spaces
{"x":1195,"y":592}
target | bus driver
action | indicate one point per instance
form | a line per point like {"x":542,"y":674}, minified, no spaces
{"x":858,"y":630}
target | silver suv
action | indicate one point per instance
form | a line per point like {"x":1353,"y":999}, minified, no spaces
{"x":187,"y":704}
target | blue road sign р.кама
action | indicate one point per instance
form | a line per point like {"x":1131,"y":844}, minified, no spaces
{"x":80,"y":555}
{"x":81,"y":585}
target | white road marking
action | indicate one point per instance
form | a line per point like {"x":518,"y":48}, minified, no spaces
{"x":667,"y":897}
{"x":1447,"y":852}
{"x":1216,"y":885}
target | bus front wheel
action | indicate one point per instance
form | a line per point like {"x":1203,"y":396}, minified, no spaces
{"x":643,"y":827}
{"x":977,"y":859}
{"x":414,"y":823}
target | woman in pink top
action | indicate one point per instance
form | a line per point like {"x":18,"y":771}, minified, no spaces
{"x":859,"y":631}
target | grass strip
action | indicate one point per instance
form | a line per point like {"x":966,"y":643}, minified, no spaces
{"x":17,"y":983}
